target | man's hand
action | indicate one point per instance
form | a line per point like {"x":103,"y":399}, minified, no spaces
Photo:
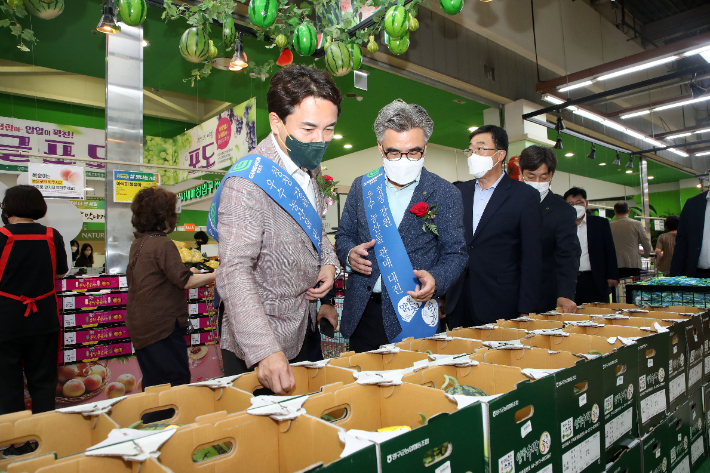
{"x":329,"y":313}
{"x":612,"y":282}
{"x":568,"y":305}
{"x":428,"y":286}
{"x":194,"y":270}
{"x":275,"y":373}
{"x":358,"y":258}
{"x":326,"y":277}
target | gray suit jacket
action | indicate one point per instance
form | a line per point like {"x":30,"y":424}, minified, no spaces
{"x":628,"y":234}
{"x":267,"y":264}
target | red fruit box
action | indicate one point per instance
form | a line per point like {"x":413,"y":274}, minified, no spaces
{"x":200,"y":293}
{"x":94,"y":336}
{"x":87,"y":354}
{"x":90,"y":283}
{"x":92,"y":301}
{"x":197,"y":308}
{"x":203,"y":338}
{"x":91,"y":319}
{"x":203,"y":323}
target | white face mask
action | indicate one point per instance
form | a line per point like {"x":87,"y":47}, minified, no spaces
{"x":403,"y":171}
{"x":478,"y":166}
{"x":581,"y":210}
{"x":542,"y":187}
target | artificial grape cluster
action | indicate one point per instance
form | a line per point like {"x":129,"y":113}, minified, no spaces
{"x":251,"y":135}
{"x":166,"y":151}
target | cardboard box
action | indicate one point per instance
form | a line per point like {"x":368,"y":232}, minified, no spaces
{"x":681,"y":309}
{"x":368,"y":407}
{"x":586,"y":310}
{"x":260,"y":444}
{"x":696,"y":353}
{"x":576,"y":343}
{"x":628,"y":460}
{"x":530,"y":324}
{"x":705,"y":321}
{"x":706,"y":415}
{"x":98,"y":352}
{"x":72,"y":302}
{"x":562,"y":317}
{"x":677,"y":371}
{"x":488,"y":333}
{"x":669,"y":316}
{"x":89,"y":283}
{"x":656,"y":450}
{"x":200,"y":293}
{"x":308,"y":380}
{"x":81,"y":464}
{"x":627,"y":321}
{"x":203,"y":323}
{"x":534,"y":358}
{"x":677,"y":431}
{"x":697,"y":429}
{"x":652,"y":383}
{"x":612,"y":305}
{"x":92,"y":319}
{"x":446,"y":346}
{"x":61,"y":434}
{"x":202,"y":338}
{"x":378,"y":361}
{"x":608,"y":331}
{"x":187,"y":402}
{"x":94,"y":336}
{"x":491,"y":379}
{"x":200,"y":308}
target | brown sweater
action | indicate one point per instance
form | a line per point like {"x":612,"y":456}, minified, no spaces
{"x":156,"y":289}
{"x":666,"y":242}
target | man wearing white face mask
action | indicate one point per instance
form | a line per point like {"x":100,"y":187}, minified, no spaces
{"x":598,"y":270}
{"x":560,"y":245}
{"x":502,"y":227}
{"x":400,"y":237}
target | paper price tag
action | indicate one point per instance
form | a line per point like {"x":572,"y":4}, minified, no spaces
{"x":619,"y":380}
{"x":68,"y":303}
{"x":69,"y":338}
{"x":193,"y":293}
{"x":122,"y":281}
{"x":195,"y":323}
{"x":445,"y":468}
{"x":69,"y":320}
{"x":650,"y":362}
{"x":675,"y":350}
{"x":526,"y":429}
{"x":69,"y":356}
{"x":64,"y":284}
{"x":582,"y":399}
{"x":195,"y":338}
{"x":192,"y":309}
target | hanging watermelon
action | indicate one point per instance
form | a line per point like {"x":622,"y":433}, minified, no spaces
{"x":44,"y":10}
{"x":285,"y":58}
{"x":194,"y":45}
{"x":337,"y":58}
{"x":372,"y":45}
{"x":399,"y":45}
{"x":451,"y":7}
{"x":413,"y":23}
{"x":355,"y":55}
{"x":304,"y":39}
{"x":396,"y":21}
{"x":281,"y":41}
{"x":132,"y":12}
{"x":229,"y":33}
{"x":262,"y":13}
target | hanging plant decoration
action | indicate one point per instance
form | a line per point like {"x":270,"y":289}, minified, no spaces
{"x":45,"y":10}
{"x":13,"y":10}
{"x":132,"y":12}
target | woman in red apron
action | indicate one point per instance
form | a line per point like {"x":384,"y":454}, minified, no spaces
{"x":32,"y":256}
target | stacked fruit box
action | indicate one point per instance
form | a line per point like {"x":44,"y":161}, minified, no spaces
{"x":203,"y":317}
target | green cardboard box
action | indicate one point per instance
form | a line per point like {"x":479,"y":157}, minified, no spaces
{"x":697,"y":429}
{"x":696,"y":353}
{"x":447,"y":439}
{"x":620,"y":415}
{"x":677,"y":373}
{"x":627,"y":460}
{"x":705,"y":321}
{"x":677,"y":427}
{"x":706,"y":414}
{"x":652,"y":382}
{"x":655,"y":452}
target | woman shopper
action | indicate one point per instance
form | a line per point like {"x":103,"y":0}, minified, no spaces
{"x":156,"y":314}
{"x":666,"y":245}
{"x":74,"y":250}
{"x":86,"y":257}
{"x":33,"y":256}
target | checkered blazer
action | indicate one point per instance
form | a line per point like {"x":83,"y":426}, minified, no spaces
{"x":267,"y":262}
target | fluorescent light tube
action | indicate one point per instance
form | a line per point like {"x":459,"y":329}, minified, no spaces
{"x":680,"y":135}
{"x":552,"y":99}
{"x":702,"y":131}
{"x":575,"y":86}
{"x":635,"y":114}
{"x":681,"y":104}
{"x":640,"y":67}
{"x":615,"y":126}
{"x":654,"y":142}
{"x":589,"y":115}
{"x":704,"y":153}
{"x":697,"y":51}
{"x":679,"y":153}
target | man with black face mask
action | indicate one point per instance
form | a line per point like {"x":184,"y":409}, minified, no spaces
{"x":276,"y":260}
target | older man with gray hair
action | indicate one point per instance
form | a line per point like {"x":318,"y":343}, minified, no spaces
{"x":401,"y":237}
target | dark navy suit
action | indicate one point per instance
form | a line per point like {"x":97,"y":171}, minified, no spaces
{"x":504,"y":257}
{"x":560,"y":251}
{"x":594,"y":286}
{"x":443,"y":256}
{"x":689,"y":240}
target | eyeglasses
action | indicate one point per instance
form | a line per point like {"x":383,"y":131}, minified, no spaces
{"x":468,"y":152}
{"x":414,"y":155}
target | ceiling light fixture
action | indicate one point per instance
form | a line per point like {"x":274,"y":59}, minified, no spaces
{"x":640,"y":67}
{"x":704,"y":153}
{"x":702,"y":131}
{"x":560,"y":126}
{"x":629,"y":172}
{"x":630,"y":164}
{"x":602,"y":164}
{"x":108,"y":20}
{"x":682,"y":104}
{"x":569,"y":155}
{"x":575,"y":86}
{"x":649,"y":177}
{"x":558,"y":144}
{"x":634,"y":114}
{"x":239,"y":60}
{"x":593,"y":153}
{"x":697,"y":51}
{"x":679,"y":135}
{"x":590,"y":115}
{"x":617,"y":161}
{"x":347,"y":146}
{"x":337,"y":137}
{"x":678,"y":152}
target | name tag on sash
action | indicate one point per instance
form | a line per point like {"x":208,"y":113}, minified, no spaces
{"x":279,"y":185}
{"x":417,"y":319}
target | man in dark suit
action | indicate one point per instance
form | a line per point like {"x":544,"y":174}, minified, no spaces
{"x":560,"y":245}
{"x":436,"y":254}
{"x":502,"y":227}
{"x":598,"y":270}
{"x":691,"y":257}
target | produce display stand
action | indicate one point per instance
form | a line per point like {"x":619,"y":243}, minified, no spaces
{"x":668,"y":292}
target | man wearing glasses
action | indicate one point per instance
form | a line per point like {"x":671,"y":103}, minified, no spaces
{"x":502,"y":227}
{"x":400,"y":237}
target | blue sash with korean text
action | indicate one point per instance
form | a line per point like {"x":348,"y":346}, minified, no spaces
{"x":279,"y":185}
{"x":417,"y":319}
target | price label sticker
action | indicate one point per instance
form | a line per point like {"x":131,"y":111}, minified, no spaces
{"x":70,"y":320}
{"x":69,"y":338}
{"x":192,"y":309}
{"x":64,"y":284}
{"x":69,"y":356}
{"x":195,"y":323}
{"x":122,"y":281}
{"x":582,"y":399}
{"x":619,"y":380}
{"x":195,"y":338}
{"x":526,"y":429}
{"x":650,"y":362}
{"x":68,"y":303}
{"x":193,"y":293}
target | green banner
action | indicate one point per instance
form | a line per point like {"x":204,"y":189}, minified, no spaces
{"x":91,"y":235}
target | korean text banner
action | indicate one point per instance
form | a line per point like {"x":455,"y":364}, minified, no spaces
{"x":57,"y":180}
{"x":128,"y":183}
